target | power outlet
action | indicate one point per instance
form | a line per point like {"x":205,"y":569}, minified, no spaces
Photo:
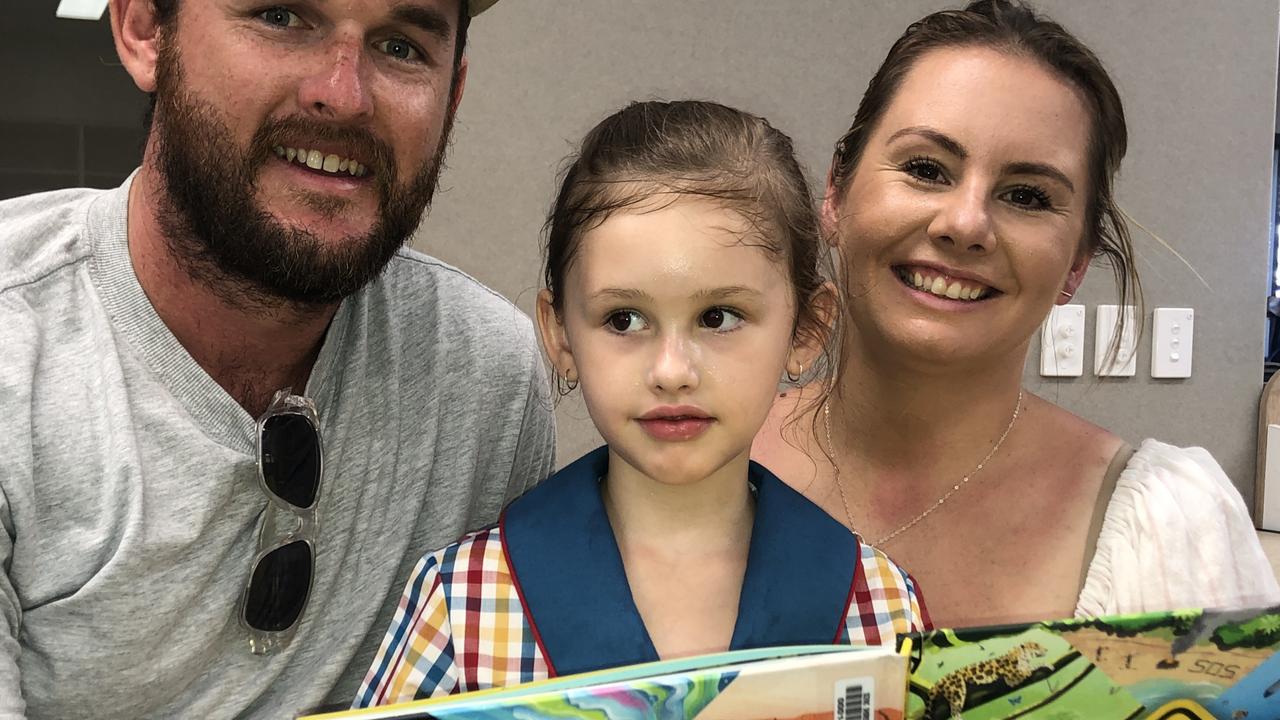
{"x":1062,"y":342}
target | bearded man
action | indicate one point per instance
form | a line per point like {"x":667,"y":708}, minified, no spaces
{"x":235,"y":408}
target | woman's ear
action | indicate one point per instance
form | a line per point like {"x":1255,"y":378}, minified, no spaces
{"x":1075,"y":276}
{"x":137,"y":35}
{"x":816,"y":330}
{"x":554,"y":339}
{"x":830,"y":212}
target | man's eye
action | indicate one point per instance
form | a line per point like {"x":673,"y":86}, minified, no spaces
{"x":626,"y":321}
{"x":399,"y":49}
{"x":280,"y":17}
{"x":721,"y":319}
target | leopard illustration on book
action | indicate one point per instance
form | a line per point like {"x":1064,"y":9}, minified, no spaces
{"x":1014,"y":667}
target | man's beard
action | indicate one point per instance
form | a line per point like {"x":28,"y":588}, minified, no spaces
{"x":222,"y":238}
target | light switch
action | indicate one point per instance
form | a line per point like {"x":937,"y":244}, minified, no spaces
{"x":1125,"y":361}
{"x":1062,"y":342}
{"x":1172,"y":333}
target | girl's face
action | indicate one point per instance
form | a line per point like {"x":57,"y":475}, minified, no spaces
{"x":963,"y":221}
{"x":678,"y":327}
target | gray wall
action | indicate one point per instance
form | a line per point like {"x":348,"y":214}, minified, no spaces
{"x":1198,"y":79}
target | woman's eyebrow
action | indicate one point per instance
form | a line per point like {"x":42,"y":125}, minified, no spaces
{"x":947,"y":142}
{"x":1042,"y":169}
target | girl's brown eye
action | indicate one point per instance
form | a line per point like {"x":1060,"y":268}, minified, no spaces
{"x":722,"y":319}
{"x":625,"y":321}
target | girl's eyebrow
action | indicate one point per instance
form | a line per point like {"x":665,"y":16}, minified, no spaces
{"x":728,"y":292}
{"x":621,"y":294}
{"x":718,"y":293}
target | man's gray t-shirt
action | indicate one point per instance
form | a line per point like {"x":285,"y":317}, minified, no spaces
{"x":129,"y":497}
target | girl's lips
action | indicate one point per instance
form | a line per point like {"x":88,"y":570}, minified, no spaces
{"x":675,"y":429}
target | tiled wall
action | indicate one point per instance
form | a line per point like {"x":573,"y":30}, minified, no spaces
{"x":49,"y":156}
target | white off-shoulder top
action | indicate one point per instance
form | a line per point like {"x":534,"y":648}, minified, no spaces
{"x":1176,"y":534}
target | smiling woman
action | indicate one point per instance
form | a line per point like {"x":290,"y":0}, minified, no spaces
{"x":969,"y":196}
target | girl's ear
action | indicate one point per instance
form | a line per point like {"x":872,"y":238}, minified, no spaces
{"x":137,"y":37}
{"x":817,"y":331}
{"x":554,"y":339}
{"x":1074,"y":277}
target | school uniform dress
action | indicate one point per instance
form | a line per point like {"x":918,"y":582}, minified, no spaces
{"x":544,"y":593}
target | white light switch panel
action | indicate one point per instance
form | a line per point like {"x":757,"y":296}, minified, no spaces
{"x":1171,"y":342}
{"x":1062,"y":342}
{"x":1125,"y":361}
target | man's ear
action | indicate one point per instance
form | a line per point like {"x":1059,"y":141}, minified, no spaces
{"x":554,"y":339}
{"x":815,"y":332}
{"x":137,"y":34}
{"x":1075,"y":276}
{"x":459,"y":84}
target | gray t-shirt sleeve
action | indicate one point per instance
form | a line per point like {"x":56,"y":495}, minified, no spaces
{"x":11,"y":704}
{"x":15,"y":468}
{"x":536,"y":449}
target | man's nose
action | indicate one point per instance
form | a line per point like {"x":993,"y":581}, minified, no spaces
{"x":338,"y":88}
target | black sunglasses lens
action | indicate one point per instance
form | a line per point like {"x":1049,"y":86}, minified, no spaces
{"x":291,"y":459}
{"x":279,"y":587}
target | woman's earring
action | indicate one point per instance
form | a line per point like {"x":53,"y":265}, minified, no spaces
{"x":571,"y":380}
{"x":1066,"y":294}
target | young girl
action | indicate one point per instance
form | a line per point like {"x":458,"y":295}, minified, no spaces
{"x":682,"y":283}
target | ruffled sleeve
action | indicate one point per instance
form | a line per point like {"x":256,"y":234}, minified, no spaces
{"x":1176,"y":534}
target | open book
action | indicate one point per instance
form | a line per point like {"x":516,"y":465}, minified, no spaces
{"x":1185,"y":665}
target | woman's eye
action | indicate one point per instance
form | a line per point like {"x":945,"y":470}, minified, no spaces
{"x":924,"y":169}
{"x":1028,"y":197}
{"x":626,"y":321}
{"x":280,"y":17}
{"x":399,"y":49}
{"x":720,"y":319}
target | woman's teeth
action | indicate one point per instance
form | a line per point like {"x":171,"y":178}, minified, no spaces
{"x":938,"y":285}
{"x":315,"y":160}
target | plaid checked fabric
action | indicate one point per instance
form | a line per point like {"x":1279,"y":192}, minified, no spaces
{"x":459,"y":627}
{"x":886,"y":601}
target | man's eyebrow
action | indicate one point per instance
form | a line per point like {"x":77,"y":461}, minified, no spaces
{"x":1042,"y":169}
{"x":429,"y":20}
{"x":946,"y":141}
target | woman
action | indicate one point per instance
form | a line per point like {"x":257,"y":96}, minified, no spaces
{"x":968,"y":198}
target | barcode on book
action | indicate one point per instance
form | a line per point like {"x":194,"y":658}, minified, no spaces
{"x":854,"y":699}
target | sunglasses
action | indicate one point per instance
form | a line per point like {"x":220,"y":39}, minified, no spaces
{"x":290,"y":466}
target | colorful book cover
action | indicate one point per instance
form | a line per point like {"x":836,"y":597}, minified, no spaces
{"x":1186,"y":665}
{"x":795,"y":683}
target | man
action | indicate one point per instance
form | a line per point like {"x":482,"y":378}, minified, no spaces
{"x":149,"y":567}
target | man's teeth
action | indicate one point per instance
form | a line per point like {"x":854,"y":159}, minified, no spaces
{"x":316,"y":161}
{"x":938,"y":285}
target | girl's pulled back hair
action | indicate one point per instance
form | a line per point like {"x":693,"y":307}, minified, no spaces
{"x":651,"y":154}
{"x":1013,"y":27}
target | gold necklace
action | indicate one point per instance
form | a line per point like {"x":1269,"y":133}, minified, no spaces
{"x":826,"y":421}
